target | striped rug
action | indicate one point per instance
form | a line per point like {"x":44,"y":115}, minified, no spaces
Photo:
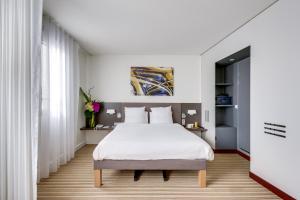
{"x":227,"y":178}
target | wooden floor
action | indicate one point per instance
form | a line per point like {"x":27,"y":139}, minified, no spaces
{"x":227,"y":178}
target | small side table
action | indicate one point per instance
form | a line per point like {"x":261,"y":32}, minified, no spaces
{"x":197,"y":131}
{"x":94,"y":136}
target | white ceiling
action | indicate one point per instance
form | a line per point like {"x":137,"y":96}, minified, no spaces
{"x":151,"y":26}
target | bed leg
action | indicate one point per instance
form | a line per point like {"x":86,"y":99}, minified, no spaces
{"x":98,"y":177}
{"x":166,"y":174}
{"x":137,"y":174}
{"x":202,"y":178}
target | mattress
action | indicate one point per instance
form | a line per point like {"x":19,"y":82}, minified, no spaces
{"x":152,"y":142}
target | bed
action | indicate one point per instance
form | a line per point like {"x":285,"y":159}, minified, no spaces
{"x":152,"y":147}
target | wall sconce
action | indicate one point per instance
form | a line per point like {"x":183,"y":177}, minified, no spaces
{"x":110,"y":111}
{"x":191,"y":112}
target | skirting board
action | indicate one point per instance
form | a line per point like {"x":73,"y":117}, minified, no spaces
{"x":80,"y":145}
{"x":247,"y":157}
{"x":261,"y":181}
{"x":270,"y":187}
{"x":225,"y":150}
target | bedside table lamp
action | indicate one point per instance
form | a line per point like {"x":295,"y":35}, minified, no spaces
{"x":191,"y":112}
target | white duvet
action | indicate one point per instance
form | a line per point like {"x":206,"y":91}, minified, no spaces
{"x":152,"y":142}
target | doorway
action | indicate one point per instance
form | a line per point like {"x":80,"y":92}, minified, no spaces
{"x":232,"y":90}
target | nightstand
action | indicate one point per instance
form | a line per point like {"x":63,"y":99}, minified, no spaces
{"x":94,"y":136}
{"x":197,"y":131}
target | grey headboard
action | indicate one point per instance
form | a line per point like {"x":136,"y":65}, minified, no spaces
{"x":177,"y":110}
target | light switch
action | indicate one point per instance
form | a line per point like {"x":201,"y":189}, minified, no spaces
{"x":206,"y":115}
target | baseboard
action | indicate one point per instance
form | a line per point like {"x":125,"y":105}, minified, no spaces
{"x":225,"y":151}
{"x":270,"y":187}
{"x":259,"y":180}
{"x":247,"y":157}
{"x":79,"y":146}
{"x":233,"y":151}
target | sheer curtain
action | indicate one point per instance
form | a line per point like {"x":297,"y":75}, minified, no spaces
{"x":60,"y":95}
{"x":20,"y":39}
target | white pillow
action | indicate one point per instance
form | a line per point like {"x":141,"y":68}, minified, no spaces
{"x":136,"y":115}
{"x":160,"y":115}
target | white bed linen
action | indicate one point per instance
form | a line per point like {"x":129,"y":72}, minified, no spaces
{"x":161,"y":115}
{"x":152,"y":142}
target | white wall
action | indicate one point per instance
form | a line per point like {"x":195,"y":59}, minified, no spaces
{"x":83,"y":66}
{"x":274,"y":37}
{"x":110,"y":74}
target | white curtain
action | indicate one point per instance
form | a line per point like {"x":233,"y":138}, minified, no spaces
{"x":60,"y":95}
{"x":20,"y":39}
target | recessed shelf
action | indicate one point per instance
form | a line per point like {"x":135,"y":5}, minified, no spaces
{"x":223,"y":84}
{"x":224,"y":126}
{"x":224,"y":106}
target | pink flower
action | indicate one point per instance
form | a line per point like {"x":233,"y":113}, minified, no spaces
{"x":96,"y":106}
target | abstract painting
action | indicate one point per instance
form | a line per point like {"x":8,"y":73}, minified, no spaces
{"x":152,"y":81}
